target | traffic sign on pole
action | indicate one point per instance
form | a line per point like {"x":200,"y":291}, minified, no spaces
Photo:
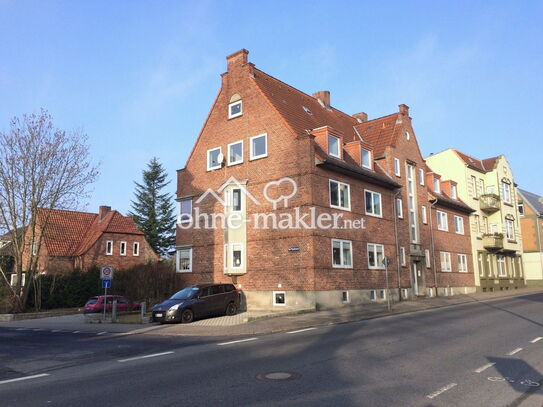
{"x":106,"y":283}
{"x":106,"y":272}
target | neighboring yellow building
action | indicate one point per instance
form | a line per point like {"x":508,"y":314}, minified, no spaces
{"x":488,"y":187}
{"x":530,"y":208}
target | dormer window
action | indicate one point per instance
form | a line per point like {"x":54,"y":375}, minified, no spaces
{"x":235,"y":109}
{"x":453,"y":192}
{"x":333,"y":146}
{"x":366,"y":159}
{"x":437,"y":189}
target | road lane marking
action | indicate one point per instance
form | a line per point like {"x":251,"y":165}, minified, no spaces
{"x":153,"y":355}
{"x":517,"y":350}
{"x":483,"y":368}
{"x":22,"y":329}
{"x":238,"y":341}
{"x":76,"y":332}
{"x":101,"y":333}
{"x":301,"y":330}
{"x":24,"y":378}
{"x":442,"y":390}
{"x":536,"y":339}
{"x":56,"y":330}
{"x":37,"y":329}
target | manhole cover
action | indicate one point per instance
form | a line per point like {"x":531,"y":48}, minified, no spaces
{"x":278,"y":376}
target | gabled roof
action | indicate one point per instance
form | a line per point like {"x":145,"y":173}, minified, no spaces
{"x":71,"y":233}
{"x":290,"y":103}
{"x":380,"y":132}
{"x":534,"y":200}
{"x":485,"y":165}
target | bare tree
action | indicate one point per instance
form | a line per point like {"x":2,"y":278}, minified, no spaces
{"x":40,"y":167}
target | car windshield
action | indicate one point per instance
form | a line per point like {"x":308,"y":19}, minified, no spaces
{"x":185,"y":294}
{"x":92,"y":301}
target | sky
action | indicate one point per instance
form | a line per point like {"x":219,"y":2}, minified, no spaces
{"x":139,"y":77}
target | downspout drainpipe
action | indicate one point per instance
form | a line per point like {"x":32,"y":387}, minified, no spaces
{"x":398,"y":259}
{"x":432,"y":206}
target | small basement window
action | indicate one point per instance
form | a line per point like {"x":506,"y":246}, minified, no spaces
{"x":279,"y":298}
{"x":345,"y":297}
{"x":373,"y":295}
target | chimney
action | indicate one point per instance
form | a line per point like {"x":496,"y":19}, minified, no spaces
{"x":361,"y":117}
{"x":404,"y":109}
{"x":103,"y":211}
{"x":323,"y":96}
{"x":237,"y":59}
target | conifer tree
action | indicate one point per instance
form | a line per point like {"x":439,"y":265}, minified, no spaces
{"x":153,"y":210}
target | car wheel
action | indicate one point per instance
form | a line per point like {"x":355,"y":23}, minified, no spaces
{"x":187,"y":316}
{"x":231,"y":309}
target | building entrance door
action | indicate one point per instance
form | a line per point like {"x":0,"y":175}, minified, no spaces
{"x":418,"y":278}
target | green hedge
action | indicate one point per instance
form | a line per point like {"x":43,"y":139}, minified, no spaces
{"x":150,"y":282}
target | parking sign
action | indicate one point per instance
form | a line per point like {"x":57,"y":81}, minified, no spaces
{"x":106,"y":272}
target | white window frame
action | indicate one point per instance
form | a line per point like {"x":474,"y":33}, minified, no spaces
{"x":180,"y":218}
{"x":372,"y":194}
{"x":454,"y":192}
{"x":348,"y":207}
{"x":502,"y":271}
{"x":475,"y":188}
{"x":178,"y":258}
{"x":421,"y":176}
{"x":373,"y":295}
{"x":445,"y":259}
{"x":506,"y":188}
{"x":342,"y":264}
{"x":437,"y":186}
{"x":458,"y":225}
{"x":519,"y":210}
{"x":399,"y":208}
{"x":441,"y":214}
{"x":373,"y":247}
{"x":209,"y":167}
{"x":275,"y":303}
{"x":230,"y":163}
{"x":232,"y":247}
{"x":427,"y":259}
{"x":369,"y":166}
{"x":121,"y":251}
{"x":462,"y":263}
{"x":109,"y":244}
{"x":382,"y":294}
{"x":136,"y":249}
{"x":510,"y":229}
{"x":424,"y":214}
{"x":397,"y":169}
{"x":232,"y":116}
{"x":252,"y":156}
{"x":338,"y":146}
{"x":347,"y":298}
{"x":13,"y":278}
{"x":402,"y":256}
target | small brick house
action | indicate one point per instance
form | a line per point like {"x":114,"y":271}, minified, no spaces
{"x":79,"y":240}
{"x":261,"y":133}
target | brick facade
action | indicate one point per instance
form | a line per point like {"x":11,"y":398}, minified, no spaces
{"x":300,"y":261}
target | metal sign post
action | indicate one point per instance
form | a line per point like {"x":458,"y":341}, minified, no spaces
{"x":386,"y":263}
{"x":106,"y":274}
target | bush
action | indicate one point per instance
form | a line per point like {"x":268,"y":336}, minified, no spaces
{"x":148,"y":282}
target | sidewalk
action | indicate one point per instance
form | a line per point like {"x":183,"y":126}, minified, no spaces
{"x":334,"y":316}
{"x":253,"y":323}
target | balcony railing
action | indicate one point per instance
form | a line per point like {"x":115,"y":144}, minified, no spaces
{"x":493,"y":241}
{"x":490,"y":203}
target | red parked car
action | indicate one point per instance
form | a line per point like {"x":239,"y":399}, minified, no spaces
{"x":96,"y":304}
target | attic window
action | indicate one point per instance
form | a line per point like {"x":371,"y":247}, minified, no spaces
{"x":307,"y":110}
{"x":235,"y":109}
{"x":333,"y":146}
{"x":407,"y":136}
{"x":453,"y":192}
{"x":366,"y":159}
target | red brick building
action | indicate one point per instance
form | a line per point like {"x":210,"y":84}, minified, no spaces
{"x":79,"y":240}
{"x":268,"y":151}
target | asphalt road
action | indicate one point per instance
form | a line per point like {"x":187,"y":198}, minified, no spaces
{"x":478,"y":354}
